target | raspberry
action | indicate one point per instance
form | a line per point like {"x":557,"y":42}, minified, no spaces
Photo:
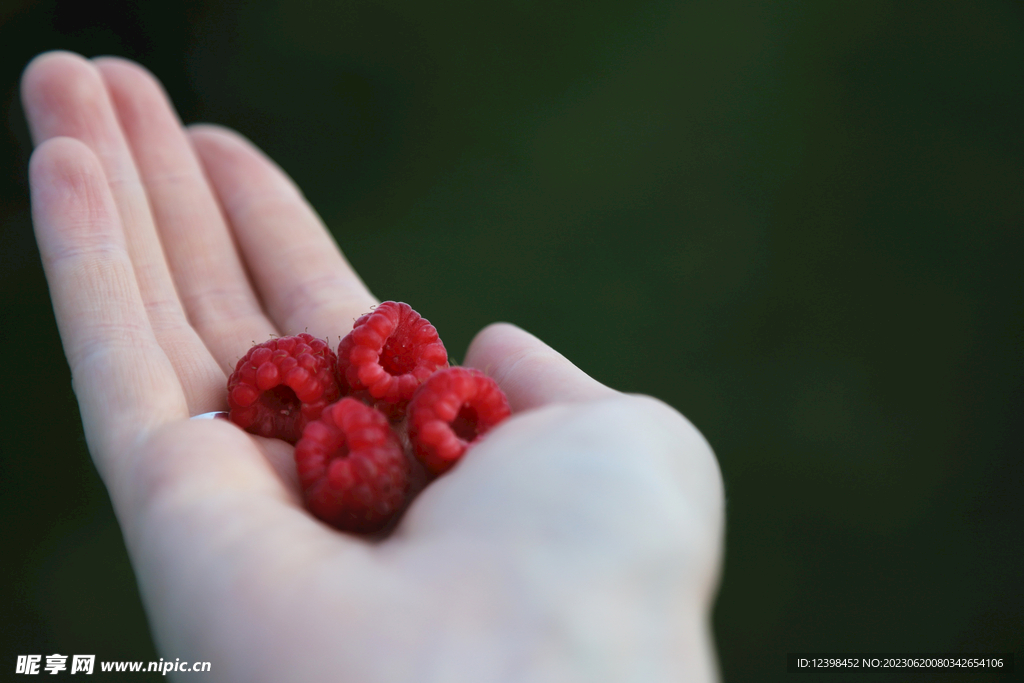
{"x":281,"y":385}
{"x":352,"y":468}
{"x":390,"y":352}
{"x":450,"y":412}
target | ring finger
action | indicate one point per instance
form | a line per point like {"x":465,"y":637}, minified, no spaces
{"x":64,"y":95}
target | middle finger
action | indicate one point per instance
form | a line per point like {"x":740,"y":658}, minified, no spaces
{"x":212,"y":283}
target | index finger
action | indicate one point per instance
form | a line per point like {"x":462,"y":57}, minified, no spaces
{"x":302,"y":277}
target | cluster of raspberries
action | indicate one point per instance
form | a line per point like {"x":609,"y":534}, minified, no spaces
{"x":371,"y":423}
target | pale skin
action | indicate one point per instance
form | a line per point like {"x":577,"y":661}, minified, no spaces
{"x":580,"y":541}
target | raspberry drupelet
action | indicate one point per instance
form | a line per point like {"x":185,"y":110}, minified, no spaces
{"x":389,"y":353}
{"x":450,"y":412}
{"x":281,"y":385}
{"x":352,"y":469}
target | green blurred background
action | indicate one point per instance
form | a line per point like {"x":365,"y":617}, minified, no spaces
{"x":799,"y":223}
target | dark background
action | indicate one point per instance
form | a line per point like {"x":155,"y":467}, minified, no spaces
{"x":797,"y":222}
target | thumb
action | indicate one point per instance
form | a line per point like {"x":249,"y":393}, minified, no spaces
{"x":531,"y":373}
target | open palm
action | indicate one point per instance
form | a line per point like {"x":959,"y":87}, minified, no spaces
{"x":580,"y":541}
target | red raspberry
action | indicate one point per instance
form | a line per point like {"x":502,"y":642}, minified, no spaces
{"x":352,"y":468}
{"x":390,"y":352}
{"x":281,"y":385}
{"x":450,"y":412}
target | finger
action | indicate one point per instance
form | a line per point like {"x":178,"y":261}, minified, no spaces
{"x":530,"y":372}
{"x":301,"y":275}
{"x":124,"y":382}
{"x":64,"y":95}
{"x":208,"y":273}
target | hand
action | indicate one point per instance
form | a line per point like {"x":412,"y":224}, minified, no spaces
{"x":580,"y":541}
